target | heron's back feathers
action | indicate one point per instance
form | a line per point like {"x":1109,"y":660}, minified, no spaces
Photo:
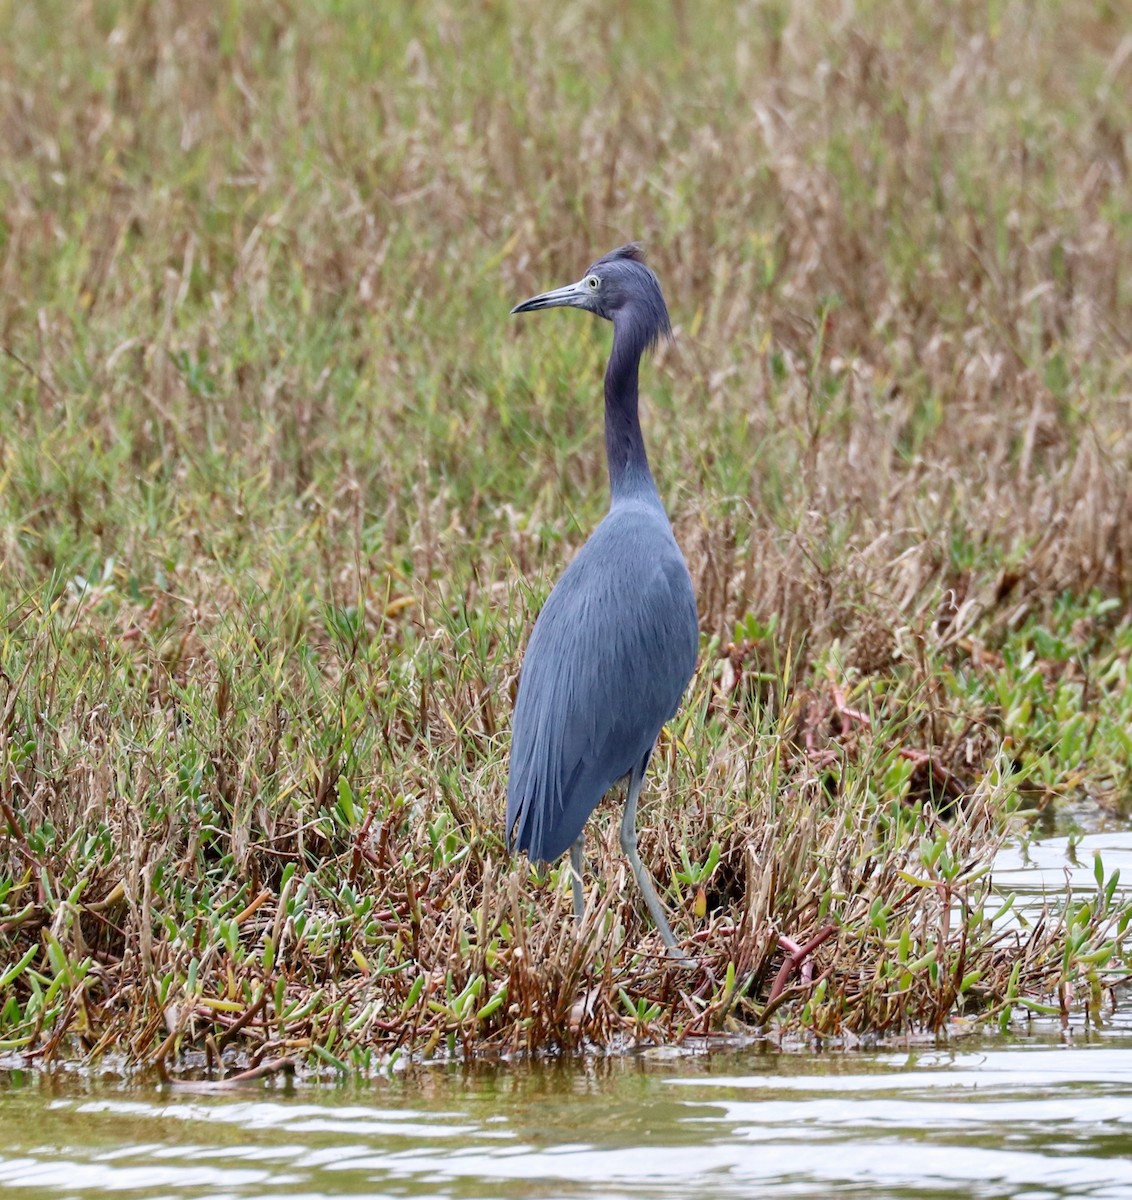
{"x":610,"y":656}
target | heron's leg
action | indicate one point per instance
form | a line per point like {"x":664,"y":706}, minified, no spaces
{"x":577,"y":866}
{"x":629,"y":846}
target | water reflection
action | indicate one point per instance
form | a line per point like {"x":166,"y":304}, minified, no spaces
{"x":1057,"y":865}
{"x":1034,"y":1117}
{"x":1041,"y":1116}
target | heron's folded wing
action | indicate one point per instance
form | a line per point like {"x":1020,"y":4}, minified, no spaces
{"x":608,"y":661}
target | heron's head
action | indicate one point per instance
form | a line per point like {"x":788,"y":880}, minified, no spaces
{"x":618,"y":287}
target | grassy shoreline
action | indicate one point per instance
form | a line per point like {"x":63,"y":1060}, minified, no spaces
{"x":283,"y":491}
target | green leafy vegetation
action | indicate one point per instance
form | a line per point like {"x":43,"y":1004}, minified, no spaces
{"x":283,"y":490}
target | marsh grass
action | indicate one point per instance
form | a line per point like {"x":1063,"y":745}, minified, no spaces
{"x":284,"y":490}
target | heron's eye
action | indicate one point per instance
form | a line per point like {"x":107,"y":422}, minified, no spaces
{"x":593,"y":283}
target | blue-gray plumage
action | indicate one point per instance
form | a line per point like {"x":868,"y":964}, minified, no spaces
{"x":615,"y":644}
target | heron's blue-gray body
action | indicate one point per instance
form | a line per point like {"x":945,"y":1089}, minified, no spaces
{"x":615,"y":645}
{"x":611,"y":654}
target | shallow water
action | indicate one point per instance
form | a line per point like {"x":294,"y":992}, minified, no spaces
{"x":1031,"y":1116}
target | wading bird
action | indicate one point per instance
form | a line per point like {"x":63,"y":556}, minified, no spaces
{"x":615,"y":644}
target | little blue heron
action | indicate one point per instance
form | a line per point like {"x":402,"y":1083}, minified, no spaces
{"x":615,"y":644}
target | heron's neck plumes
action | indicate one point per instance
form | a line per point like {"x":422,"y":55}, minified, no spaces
{"x":629,"y":475}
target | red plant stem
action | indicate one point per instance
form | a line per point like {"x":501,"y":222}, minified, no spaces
{"x":795,"y":956}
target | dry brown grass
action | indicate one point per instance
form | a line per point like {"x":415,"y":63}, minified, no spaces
{"x":283,"y":490}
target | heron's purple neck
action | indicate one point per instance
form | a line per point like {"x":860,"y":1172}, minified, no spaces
{"x":629,"y":475}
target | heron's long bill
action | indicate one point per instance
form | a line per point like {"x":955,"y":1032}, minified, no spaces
{"x":569,"y":296}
